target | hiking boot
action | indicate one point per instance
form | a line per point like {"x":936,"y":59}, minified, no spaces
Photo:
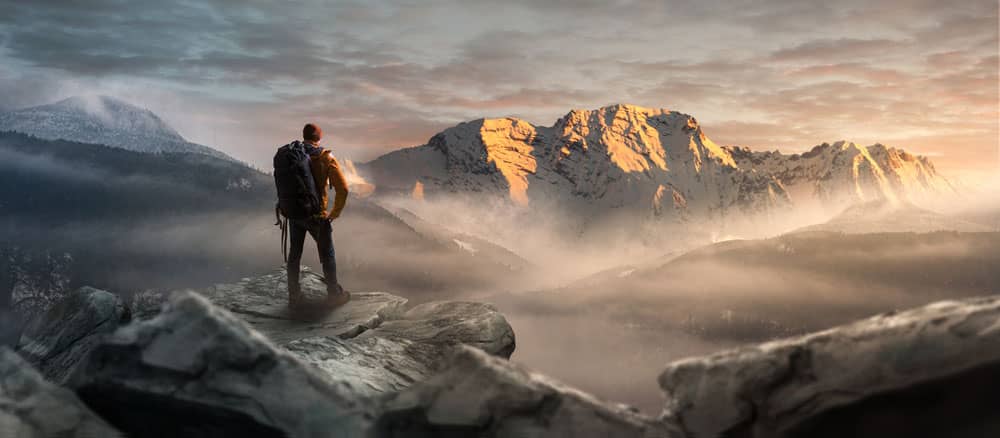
{"x":338,"y":299}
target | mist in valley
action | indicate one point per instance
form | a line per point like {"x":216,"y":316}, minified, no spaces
{"x":610,"y":311}
{"x":599,"y":305}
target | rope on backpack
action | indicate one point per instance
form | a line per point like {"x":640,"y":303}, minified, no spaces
{"x":282,"y":223}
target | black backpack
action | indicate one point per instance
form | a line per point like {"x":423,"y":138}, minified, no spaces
{"x":297,"y":196}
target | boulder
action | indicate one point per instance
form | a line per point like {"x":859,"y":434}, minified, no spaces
{"x":31,"y":407}
{"x":451,"y":323}
{"x":481,"y":395}
{"x":56,"y":340}
{"x":198,"y":370}
{"x":928,"y":372}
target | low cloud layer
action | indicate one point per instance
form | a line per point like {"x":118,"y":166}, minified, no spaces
{"x":773,"y":74}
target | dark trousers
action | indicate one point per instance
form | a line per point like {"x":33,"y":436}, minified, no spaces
{"x":321,"y":232}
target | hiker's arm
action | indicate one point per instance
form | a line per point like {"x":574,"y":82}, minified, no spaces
{"x":339,"y":184}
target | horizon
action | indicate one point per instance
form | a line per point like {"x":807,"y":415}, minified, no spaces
{"x":985,"y":182}
{"x":913,"y":75}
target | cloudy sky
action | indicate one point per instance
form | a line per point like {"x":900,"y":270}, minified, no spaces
{"x":777,"y":74}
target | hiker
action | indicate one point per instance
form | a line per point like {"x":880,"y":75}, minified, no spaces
{"x":303,"y":170}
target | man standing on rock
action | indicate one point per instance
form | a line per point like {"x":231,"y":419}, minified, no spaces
{"x":305,"y":208}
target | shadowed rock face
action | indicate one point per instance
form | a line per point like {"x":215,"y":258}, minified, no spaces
{"x":482,"y":396}
{"x":197,"y":370}
{"x":55,"y":341}
{"x":31,"y":407}
{"x":925,"y":372}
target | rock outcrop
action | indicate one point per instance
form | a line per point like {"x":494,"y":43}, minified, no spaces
{"x":198,"y":370}
{"x":924,"y":372}
{"x":482,"y":396}
{"x":236,"y":357}
{"x":31,"y":407}
{"x":55,"y":341}
{"x":374,"y":335}
{"x":263,"y":302}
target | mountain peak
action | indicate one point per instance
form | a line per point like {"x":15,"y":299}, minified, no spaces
{"x":618,"y":110}
{"x":117,"y":114}
{"x":628,"y":107}
{"x":104,"y":120}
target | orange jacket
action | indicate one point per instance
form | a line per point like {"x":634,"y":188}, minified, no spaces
{"x":326,"y":173}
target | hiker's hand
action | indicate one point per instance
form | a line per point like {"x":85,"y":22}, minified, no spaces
{"x":330,"y":217}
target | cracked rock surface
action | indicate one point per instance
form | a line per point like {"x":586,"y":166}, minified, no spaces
{"x":31,"y":407}
{"x":929,"y":371}
{"x":479,"y":395}
{"x":57,"y":340}
{"x":408,"y":347}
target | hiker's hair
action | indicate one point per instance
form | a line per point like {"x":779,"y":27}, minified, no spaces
{"x":311,"y":132}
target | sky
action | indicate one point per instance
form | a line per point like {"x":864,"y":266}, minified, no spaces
{"x":243,"y":76}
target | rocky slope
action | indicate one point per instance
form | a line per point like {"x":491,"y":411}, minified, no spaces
{"x":101,"y":120}
{"x":197,"y":369}
{"x":653,"y":163}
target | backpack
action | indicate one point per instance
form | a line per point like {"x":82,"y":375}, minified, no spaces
{"x":297,"y":195}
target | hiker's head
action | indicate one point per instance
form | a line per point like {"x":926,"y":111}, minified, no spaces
{"x":312,"y":133}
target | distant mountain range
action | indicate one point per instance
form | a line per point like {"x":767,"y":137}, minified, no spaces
{"x":101,"y":120}
{"x":888,"y":217}
{"x":643,"y":162}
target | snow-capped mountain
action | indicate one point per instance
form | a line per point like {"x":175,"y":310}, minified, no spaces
{"x":101,"y":120}
{"x":655,"y":162}
{"x":846,"y":173}
{"x":617,"y":157}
